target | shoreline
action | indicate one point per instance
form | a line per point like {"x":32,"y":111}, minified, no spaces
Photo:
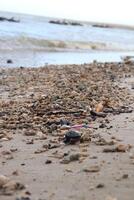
{"x":38,"y":105}
{"x":41,"y":58}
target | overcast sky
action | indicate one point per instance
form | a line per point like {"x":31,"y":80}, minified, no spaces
{"x":113,"y":11}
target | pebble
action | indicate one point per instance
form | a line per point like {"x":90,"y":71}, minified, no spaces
{"x":91,"y":169}
{"x":70,"y":158}
{"x":48,"y":161}
{"x":23,"y":198}
{"x":3,"y":180}
{"x":71,"y":137}
{"x":119,"y":148}
{"x":100,"y":185}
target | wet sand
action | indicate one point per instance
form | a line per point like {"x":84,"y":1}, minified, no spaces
{"x":38,"y":107}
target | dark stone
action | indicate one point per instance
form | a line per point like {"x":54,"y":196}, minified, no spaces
{"x":71,"y":137}
{"x":9,"y":61}
{"x":102,"y":125}
{"x":48,"y":161}
{"x":65,"y":22}
{"x":97,"y":114}
{"x":100,"y":185}
{"x":9,"y":19}
{"x":64,"y":122}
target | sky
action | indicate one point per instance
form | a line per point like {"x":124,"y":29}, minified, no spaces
{"x":111,"y":11}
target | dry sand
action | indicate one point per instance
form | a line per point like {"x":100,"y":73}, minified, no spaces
{"x":35,"y":106}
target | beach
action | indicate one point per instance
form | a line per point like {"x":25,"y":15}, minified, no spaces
{"x":66,"y":109}
{"x":40,"y":159}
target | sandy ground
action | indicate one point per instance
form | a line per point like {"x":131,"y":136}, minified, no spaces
{"x":96,"y":173}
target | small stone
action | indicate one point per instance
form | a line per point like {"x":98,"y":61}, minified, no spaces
{"x":93,"y":169}
{"x":48,"y":161}
{"x":86,"y":136}
{"x":13,"y":185}
{"x":74,"y":157}
{"x":23,"y":198}
{"x":9,"y":61}
{"x":125,"y":176}
{"x":70,"y":158}
{"x":119,"y":148}
{"x":13,"y":149}
{"x":3,"y":180}
{"x":122,"y":148}
{"x":23,"y":164}
{"x":30,"y":141}
{"x":132,"y":86}
{"x":30,"y":133}
{"x":9,"y":157}
{"x":16,"y":173}
{"x":102,"y":125}
{"x":40,"y":151}
{"x":68,"y":170}
{"x":93,"y":157}
{"x":65,"y":160}
{"x":6,"y":152}
{"x":100,"y":185}
{"x":71,"y":137}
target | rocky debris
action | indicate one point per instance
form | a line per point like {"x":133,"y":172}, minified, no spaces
{"x":48,"y":162}
{"x":71,"y":137}
{"x":118,"y":148}
{"x":49,"y":103}
{"x":65,"y":22}
{"x":101,"y":26}
{"x":125,"y":176}
{"x":100,"y":106}
{"x":128,"y":59}
{"x":9,"y":61}
{"x":7,"y":186}
{"x":100,"y":185}
{"x":98,"y":114}
{"x":23,"y":198}
{"x":5,"y":135}
{"x":9,"y":19}
{"x":3,"y":180}
{"x":132,"y":86}
{"x":86,"y":135}
{"x":30,"y":133}
{"x":117,"y":111}
{"x":15,"y":173}
{"x":101,"y":142}
{"x":38,"y":151}
{"x":56,"y":110}
{"x":91,"y":169}
{"x":70,"y":158}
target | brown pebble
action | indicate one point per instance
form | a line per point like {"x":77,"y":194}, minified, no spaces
{"x":94,"y":168}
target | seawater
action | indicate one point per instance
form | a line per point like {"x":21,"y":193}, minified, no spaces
{"x":35,"y":42}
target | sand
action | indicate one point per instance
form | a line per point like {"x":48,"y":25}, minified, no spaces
{"x":36,"y":107}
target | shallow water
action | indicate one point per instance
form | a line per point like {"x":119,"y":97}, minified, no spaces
{"x":36,"y":59}
{"x":36,"y":42}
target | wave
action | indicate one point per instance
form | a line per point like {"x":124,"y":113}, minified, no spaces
{"x":29,"y":43}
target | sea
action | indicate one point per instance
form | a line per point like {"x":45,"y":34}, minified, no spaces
{"x":33,"y":41}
